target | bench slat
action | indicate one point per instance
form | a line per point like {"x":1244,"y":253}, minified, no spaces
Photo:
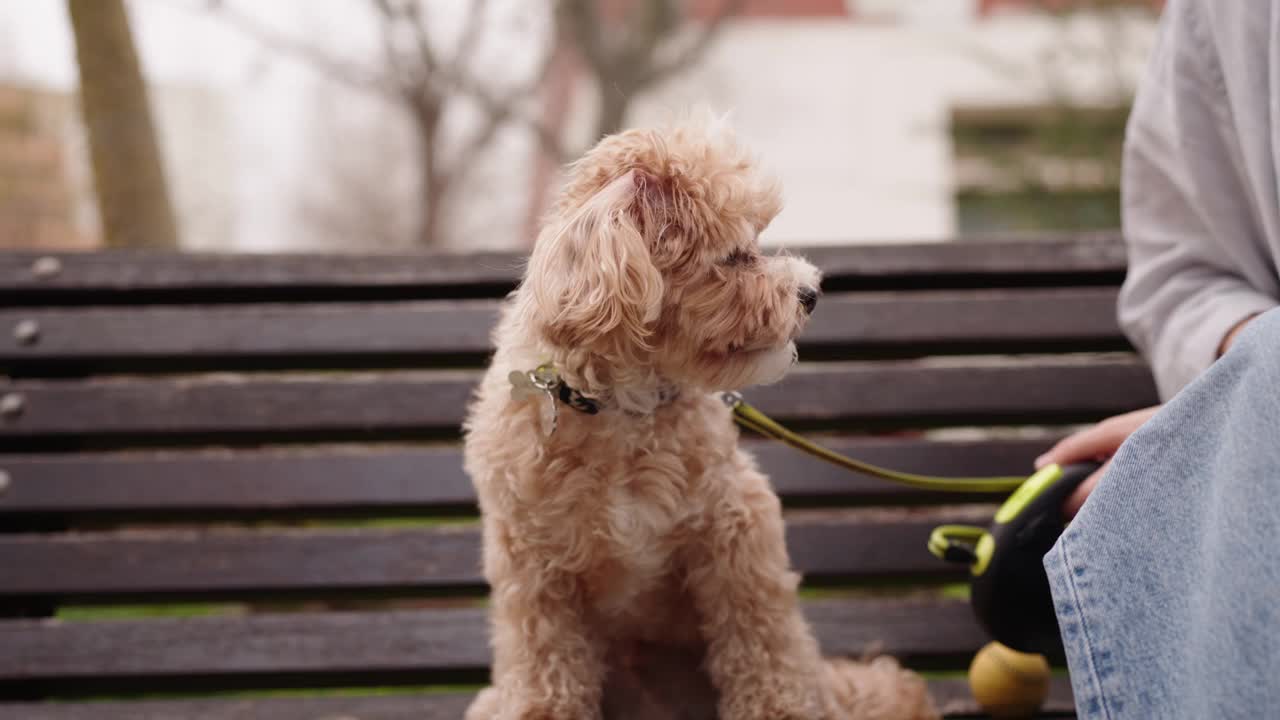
{"x":390,"y":646}
{"x":960,"y":390}
{"x":343,"y":331}
{"x":124,"y":271}
{"x":225,"y":562}
{"x":120,"y":272}
{"x":339,"y":331}
{"x":449,"y":706}
{"x":971,"y":318}
{"x":409,"y":478}
{"x":897,"y":392}
{"x":952,"y":696}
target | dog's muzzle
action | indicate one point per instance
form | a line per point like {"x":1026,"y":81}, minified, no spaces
{"x":808,"y":299}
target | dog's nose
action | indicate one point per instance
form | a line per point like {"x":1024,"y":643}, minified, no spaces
{"x":808,"y":298}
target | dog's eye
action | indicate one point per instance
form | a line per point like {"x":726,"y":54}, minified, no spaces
{"x":739,"y":258}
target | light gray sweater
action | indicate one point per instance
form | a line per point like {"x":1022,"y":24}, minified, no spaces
{"x":1201,"y":202}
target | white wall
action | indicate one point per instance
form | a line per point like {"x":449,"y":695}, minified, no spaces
{"x":855,"y":117}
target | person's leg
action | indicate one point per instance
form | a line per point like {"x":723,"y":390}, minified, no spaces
{"x":1167,"y":583}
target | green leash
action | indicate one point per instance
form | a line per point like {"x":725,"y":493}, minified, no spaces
{"x":1009,"y":589}
{"x":749,"y":417}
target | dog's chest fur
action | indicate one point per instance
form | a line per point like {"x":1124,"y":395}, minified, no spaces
{"x":639,"y":507}
{"x":642,"y":523}
{"x":615,"y":501}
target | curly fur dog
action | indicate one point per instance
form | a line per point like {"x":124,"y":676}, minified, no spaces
{"x":645,"y":524}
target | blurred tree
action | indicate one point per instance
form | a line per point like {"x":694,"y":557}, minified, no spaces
{"x":422,"y":79}
{"x":627,"y":47}
{"x":634,"y":46}
{"x":133,"y":200}
{"x":1054,"y":165}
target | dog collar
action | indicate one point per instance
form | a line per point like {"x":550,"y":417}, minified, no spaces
{"x":544,"y":379}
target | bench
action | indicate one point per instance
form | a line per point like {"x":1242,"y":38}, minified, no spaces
{"x":230,"y":486}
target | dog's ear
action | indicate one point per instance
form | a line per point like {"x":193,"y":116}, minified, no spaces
{"x":595,"y":288}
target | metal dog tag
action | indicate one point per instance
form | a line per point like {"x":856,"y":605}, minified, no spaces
{"x":542,"y":381}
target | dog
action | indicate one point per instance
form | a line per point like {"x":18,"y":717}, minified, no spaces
{"x":619,"y":511}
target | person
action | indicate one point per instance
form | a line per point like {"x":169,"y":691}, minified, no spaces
{"x":1167,"y":581}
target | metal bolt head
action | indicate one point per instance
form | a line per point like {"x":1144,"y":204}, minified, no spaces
{"x":11,"y":406}
{"x":27,"y":332}
{"x":46,"y":267}
{"x":5,"y":481}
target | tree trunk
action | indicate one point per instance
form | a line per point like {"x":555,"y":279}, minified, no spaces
{"x":433,"y":218}
{"x":133,"y":201}
{"x":614,"y":101}
{"x":433,"y":184}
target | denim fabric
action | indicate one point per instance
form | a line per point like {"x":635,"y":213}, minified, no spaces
{"x":1167,"y":583}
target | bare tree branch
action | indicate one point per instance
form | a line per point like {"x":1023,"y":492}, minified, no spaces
{"x":651,"y":23}
{"x":628,"y":61}
{"x":706,"y":36}
{"x":338,"y":69}
{"x":470,"y":33}
{"x":580,"y":21}
{"x":408,"y":80}
{"x":500,"y":112}
{"x":410,"y":12}
{"x":413,"y":14}
{"x":422,"y":83}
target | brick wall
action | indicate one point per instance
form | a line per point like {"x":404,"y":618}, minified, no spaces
{"x":36,"y":205}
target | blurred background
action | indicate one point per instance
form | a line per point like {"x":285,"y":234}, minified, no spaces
{"x":442,"y":125}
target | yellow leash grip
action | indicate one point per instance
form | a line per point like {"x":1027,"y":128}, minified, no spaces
{"x":966,"y":544}
{"x":751,"y":418}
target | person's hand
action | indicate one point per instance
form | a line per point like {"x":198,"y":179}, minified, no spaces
{"x":1097,"y":443}
{"x":1232,"y":333}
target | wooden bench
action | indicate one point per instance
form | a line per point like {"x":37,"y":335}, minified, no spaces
{"x":230,"y":474}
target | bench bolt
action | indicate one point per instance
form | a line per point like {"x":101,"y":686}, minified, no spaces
{"x":11,"y":406}
{"x":5,"y":481}
{"x":46,"y":267}
{"x":27,"y":332}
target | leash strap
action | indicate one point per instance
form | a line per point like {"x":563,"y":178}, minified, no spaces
{"x":749,"y":417}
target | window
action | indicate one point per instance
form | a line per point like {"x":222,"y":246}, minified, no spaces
{"x":1037,"y":169}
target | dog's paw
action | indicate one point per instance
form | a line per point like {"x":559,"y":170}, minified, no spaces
{"x":540,"y":711}
{"x":772,"y":699}
{"x":880,"y":689}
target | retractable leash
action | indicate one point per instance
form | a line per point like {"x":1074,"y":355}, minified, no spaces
{"x":1010,"y":591}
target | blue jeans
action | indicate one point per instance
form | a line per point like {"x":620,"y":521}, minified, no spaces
{"x":1167,"y":583}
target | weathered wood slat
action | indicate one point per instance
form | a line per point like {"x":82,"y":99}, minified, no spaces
{"x":229,"y":404}
{"x":227,"y":562}
{"x":971,"y":318}
{"x":952,"y":695}
{"x":341,"y":332}
{"x":964,"y":390}
{"x":1100,"y":253}
{"x":960,"y":390}
{"x":122,"y":272}
{"x":400,"y":478}
{"x":449,"y":706}
{"x":377,"y":478}
{"x":389,"y":646}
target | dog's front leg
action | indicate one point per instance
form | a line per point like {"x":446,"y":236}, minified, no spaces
{"x":761,"y":654}
{"x":547,"y":666}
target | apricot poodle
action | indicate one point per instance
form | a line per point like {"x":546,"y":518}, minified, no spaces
{"x":619,"y":510}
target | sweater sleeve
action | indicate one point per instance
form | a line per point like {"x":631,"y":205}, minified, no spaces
{"x":1183,"y":293}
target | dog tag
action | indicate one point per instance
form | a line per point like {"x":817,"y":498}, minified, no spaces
{"x":525,"y":385}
